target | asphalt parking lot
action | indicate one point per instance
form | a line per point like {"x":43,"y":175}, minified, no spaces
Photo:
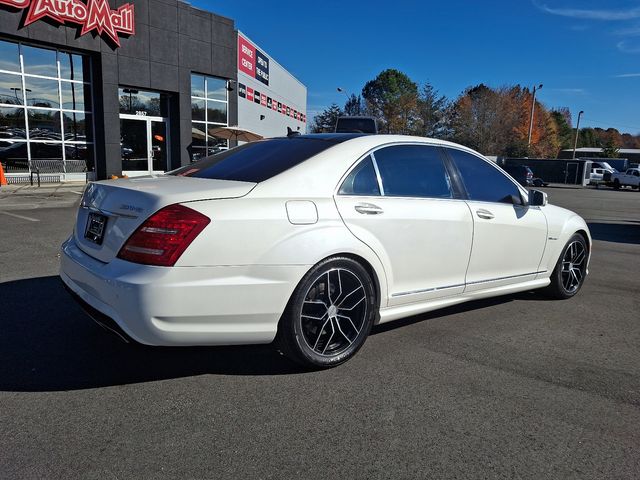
{"x":512,"y":387}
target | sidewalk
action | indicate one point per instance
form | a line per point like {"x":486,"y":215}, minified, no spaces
{"x":27,"y":197}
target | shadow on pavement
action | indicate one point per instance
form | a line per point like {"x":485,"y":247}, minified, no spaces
{"x":616,"y":232}
{"x":48,"y":343}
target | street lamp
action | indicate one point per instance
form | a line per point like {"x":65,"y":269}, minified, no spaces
{"x":533,"y":106}
{"x":575,"y":143}
{"x":342,"y":90}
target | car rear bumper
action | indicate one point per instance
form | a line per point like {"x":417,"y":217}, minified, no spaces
{"x":179,"y":306}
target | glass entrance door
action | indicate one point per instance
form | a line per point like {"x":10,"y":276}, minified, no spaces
{"x":143,"y":145}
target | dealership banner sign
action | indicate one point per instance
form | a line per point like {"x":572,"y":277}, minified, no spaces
{"x":262,"y":99}
{"x":93,"y":15}
{"x":252,"y":61}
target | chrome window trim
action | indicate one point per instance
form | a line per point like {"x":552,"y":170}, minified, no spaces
{"x":378,"y":177}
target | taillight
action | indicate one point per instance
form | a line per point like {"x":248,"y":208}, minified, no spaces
{"x":164,"y":236}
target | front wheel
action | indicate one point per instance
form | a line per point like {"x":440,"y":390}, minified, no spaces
{"x":616,"y":184}
{"x":570,"y":270}
{"x":330,"y":314}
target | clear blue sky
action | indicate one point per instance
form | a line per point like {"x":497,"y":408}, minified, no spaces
{"x":585,"y":52}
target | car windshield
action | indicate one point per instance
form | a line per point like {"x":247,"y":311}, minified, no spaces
{"x":261,"y":160}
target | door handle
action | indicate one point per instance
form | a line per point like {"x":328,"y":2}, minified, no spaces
{"x":486,"y":214}
{"x":368,"y":209}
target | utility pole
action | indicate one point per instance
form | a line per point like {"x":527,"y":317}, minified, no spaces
{"x":575,"y":143}
{"x":533,"y":106}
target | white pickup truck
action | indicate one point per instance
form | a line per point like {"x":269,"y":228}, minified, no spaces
{"x":630,"y":178}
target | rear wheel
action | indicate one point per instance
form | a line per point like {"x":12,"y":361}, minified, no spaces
{"x":570,"y":270}
{"x":330,"y":314}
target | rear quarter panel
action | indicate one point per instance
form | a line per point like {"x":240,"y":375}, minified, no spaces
{"x":257,"y":231}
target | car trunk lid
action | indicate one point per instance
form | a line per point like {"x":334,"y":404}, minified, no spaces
{"x":111,"y":210}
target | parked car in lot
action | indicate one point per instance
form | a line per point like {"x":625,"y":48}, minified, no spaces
{"x":629,"y":178}
{"x":521,"y":173}
{"x":310,"y":240}
{"x":356,"y":125}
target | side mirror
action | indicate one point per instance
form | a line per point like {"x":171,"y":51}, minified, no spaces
{"x":537,"y":198}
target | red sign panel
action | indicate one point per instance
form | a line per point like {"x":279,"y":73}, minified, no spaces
{"x":92,"y":15}
{"x":246,"y":57}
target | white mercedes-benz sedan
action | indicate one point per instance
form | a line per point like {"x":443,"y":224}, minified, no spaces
{"x":309,"y":240}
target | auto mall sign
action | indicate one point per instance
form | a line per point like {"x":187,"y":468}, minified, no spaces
{"x":92,"y":15}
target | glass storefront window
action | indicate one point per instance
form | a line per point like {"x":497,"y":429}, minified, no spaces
{"x":71,"y":66}
{"x":46,"y":151}
{"x":39,"y":61}
{"x":209,"y":103}
{"x":42,"y":92}
{"x":197,"y":86}
{"x":141,"y":102}
{"x":75,"y":126}
{"x":44,"y":131}
{"x":11,"y":89}
{"x":44,"y":124}
{"x":9,"y":56}
{"x":197,"y":109}
{"x":12,"y":124}
{"x":216,"y":88}
{"x":216,"y":112}
{"x":75,"y":96}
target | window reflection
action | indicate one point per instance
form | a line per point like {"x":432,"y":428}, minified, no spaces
{"x":216,"y":112}
{"x":197,"y":109}
{"x":12,"y":125}
{"x":216,"y":88}
{"x":9,"y":58}
{"x":71,"y":66}
{"x":140,"y":102}
{"x":42,"y":92}
{"x":39,"y":61}
{"x":74,"y":95}
{"x":75,"y":126}
{"x":44,"y":124}
{"x":11,"y":89}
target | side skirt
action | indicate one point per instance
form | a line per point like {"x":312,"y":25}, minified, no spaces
{"x":393,"y":313}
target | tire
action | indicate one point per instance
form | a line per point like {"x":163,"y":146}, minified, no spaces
{"x":570,"y":270}
{"x":314,"y":331}
{"x":616,"y":184}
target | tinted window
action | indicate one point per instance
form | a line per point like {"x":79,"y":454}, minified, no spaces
{"x":483,"y":182}
{"x":362,"y":180}
{"x":256,"y":161}
{"x":356,"y":125}
{"x":413,"y":171}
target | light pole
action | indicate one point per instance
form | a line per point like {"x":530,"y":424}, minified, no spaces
{"x":342,"y":90}
{"x":533,"y":106}
{"x":575,"y":143}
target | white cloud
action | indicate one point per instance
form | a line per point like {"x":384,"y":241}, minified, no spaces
{"x":586,"y":14}
{"x":627,"y":75}
{"x":628,"y":32}
{"x":628,"y":47}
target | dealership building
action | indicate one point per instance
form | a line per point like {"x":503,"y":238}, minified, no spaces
{"x":115,"y":88}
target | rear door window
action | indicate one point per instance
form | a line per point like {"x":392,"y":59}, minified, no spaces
{"x":413,"y":171}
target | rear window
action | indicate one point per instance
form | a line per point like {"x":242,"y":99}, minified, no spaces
{"x":256,"y":161}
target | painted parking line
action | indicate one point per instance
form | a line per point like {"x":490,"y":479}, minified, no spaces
{"x":77,"y":193}
{"x":30,"y":219}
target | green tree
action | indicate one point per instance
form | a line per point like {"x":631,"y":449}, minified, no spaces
{"x":432,"y":113}
{"x":563,"y":124}
{"x":354,"y":106}
{"x":610,"y":149}
{"x":392,"y":97}
{"x":325,"y":121}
